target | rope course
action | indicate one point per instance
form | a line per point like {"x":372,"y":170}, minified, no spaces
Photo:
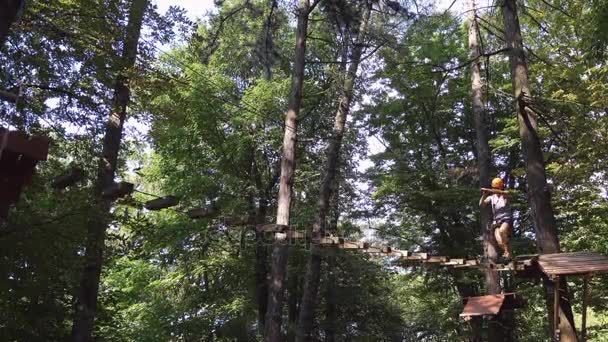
{"x":19,"y":153}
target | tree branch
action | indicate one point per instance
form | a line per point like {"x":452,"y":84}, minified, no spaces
{"x":467,"y":63}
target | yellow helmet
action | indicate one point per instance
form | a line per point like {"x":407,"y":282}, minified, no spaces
{"x":498,"y":183}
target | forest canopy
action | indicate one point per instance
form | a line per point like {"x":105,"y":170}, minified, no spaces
{"x":196,"y":165}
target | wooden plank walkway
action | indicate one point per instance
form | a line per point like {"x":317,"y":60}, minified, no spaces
{"x":403,"y":258}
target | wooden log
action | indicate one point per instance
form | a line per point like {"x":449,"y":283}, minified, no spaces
{"x":69,"y":178}
{"x":118,"y":190}
{"x":162,"y":203}
{"x":496,"y":191}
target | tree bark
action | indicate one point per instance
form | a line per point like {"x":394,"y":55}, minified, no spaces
{"x":490,"y":249}
{"x":86,"y":304}
{"x":330,"y":308}
{"x":538,"y":193}
{"x":292,"y":305}
{"x":311,"y":285}
{"x":8,"y":14}
{"x":261,"y":268}
{"x":288,"y":162}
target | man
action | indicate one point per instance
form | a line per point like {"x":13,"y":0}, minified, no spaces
{"x":501,"y":212}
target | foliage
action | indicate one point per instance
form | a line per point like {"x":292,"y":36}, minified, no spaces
{"x":206,"y":122}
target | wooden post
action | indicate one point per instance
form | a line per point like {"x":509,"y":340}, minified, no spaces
{"x":556,"y":309}
{"x":585,"y":299}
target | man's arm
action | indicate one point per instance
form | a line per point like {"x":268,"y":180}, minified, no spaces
{"x":496,"y":191}
{"x":485,"y":199}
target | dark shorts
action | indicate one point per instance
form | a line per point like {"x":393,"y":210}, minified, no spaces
{"x":498,"y":222}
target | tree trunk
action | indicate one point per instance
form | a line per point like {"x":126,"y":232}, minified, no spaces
{"x":288,"y":162}
{"x":538,"y":193}
{"x":292,"y":306}
{"x":490,"y":249}
{"x":311,"y":285}
{"x":330,"y":309}
{"x":86,"y":304}
{"x":261,"y":266}
{"x":8,"y":14}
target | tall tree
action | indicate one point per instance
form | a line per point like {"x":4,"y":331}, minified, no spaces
{"x":484,"y":162}
{"x":328,"y":186}
{"x":8,"y":14}
{"x":538,"y":192}
{"x":288,"y":163}
{"x":86,"y":304}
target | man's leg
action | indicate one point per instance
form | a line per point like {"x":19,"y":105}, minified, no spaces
{"x":505,"y":231}
{"x":498,"y":237}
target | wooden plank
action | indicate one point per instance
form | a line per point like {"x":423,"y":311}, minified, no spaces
{"x":483,"y":305}
{"x":437,"y":259}
{"x":572,"y":263}
{"x":417,"y":256}
{"x":34,"y":147}
{"x":399,"y":253}
{"x":348,"y":245}
{"x":449,"y":263}
{"x":468,"y":263}
{"x":578,"y":272}
{"x":453,"y":262}
{"x":118,"y":190}
{"x":69,"y":178}
{"x":373,"y":250}
{"x":526,"y":256}
{"x":581,"y":266}
{"x":295,"y":235}
{"x":161,"y":203}
{"x":330,"y":240}
{"x":562,"y":263}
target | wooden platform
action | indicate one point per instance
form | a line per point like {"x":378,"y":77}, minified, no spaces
{"x":18,"y":160}
{"x":490,"y":304}
{"x":577,"y":263}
